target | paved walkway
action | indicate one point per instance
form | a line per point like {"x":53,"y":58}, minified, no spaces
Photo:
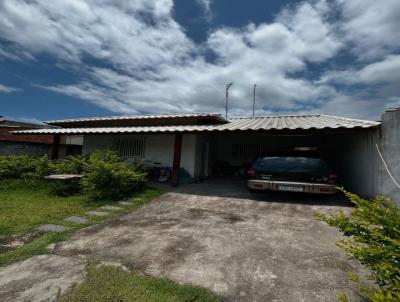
{"x":40,"y":278}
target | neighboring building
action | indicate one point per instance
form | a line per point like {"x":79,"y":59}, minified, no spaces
{"x":201,"y":142}
{"x":11,"y":143}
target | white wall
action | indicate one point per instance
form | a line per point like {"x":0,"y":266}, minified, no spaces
{"x":159,"y":148}
{"x":390,"y":149}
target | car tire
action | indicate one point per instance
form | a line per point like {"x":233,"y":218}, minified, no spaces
{"x":254,"y":191}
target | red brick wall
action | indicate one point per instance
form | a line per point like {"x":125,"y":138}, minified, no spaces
{"x":6,"y":135}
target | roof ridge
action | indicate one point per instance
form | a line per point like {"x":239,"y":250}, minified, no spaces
{"x":349,"y":118}
{"x":270,"y":116}
{"x":127,"y":116}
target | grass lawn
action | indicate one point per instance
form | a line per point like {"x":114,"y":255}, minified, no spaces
{"x":109,"y":283}
{"x":27,"y":204}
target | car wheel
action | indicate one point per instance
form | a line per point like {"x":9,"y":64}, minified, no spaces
{"x":253,"y":190}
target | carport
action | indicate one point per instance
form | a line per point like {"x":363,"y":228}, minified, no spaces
{"x":349,"y":150}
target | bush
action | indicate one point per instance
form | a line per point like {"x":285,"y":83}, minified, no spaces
{"x":141,"y":167}
{"x":16,"y":166}
{"x":106,"y":177}
{"x":42,"y":166}
{"x":71,"y":165}
{"x":374,"y":227}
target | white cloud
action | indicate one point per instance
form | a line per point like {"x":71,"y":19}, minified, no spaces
{"x":157,"y":68}
{"x":384,"y":73}
{"x":206,"y":4}
{"x":313,"y":37}
{"x":8,"y":89}
{"x":14,"y":53}
{"x":150,"y":65}
{"x":371,"y":26}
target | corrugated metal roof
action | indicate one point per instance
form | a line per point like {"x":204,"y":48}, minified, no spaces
{"x":288,"y":122}
{"x":139,"y":117}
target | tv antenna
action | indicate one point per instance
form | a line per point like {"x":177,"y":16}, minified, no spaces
{"x":254,"y":98}
{"x":229,"y":85}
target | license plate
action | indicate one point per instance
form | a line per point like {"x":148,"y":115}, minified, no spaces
{"x":291,"y":188}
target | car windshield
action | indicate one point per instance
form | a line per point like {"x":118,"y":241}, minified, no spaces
{"x":287,"y":163}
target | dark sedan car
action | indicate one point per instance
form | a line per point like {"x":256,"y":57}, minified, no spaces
{"x":291,"y":173}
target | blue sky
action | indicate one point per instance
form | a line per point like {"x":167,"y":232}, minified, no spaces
{"x":80,"y":58}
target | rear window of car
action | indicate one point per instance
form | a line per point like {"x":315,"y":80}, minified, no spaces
{"x":285,"y":163}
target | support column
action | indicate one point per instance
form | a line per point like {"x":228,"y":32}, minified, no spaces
{"x":55,"y":152}
{"x":177,"y":159}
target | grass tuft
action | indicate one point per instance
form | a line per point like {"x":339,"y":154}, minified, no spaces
{"x":110,"y":283}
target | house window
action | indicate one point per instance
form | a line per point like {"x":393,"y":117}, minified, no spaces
{"x":245,"y":152}
{"x":129,"y":146}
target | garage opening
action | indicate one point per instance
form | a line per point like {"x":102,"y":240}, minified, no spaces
{"x":349,"y":152}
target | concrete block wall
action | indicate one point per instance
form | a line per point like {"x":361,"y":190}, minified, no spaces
{"x":28,"y":148}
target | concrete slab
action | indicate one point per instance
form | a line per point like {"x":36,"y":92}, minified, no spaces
{"x":52,"y":228}
{"x":40,"y":278}
{"x":239,"y":246}
{"x":97,"y":213}
{"x":76,"y":219}
{"x":126,"y":203}
{"x":110,"y":208}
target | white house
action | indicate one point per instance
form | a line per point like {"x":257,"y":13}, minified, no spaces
{"x":198,"y":142}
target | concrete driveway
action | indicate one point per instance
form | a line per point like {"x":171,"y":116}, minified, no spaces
{"x":218,"y":236}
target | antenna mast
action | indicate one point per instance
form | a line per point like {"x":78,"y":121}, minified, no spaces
{"x":254,"y":98}
{"x":229,"y":85}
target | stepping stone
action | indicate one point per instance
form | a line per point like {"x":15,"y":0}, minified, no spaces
{"x":97,"y":213}
{"x":52,"y":228}
{"x":110,"y":208}
{"x":126,"y":203}
{"x":76,"y":219}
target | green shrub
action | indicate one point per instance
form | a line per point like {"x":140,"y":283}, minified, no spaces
{"x":16,"y":166}
{"x":141,"y":167}
{"x":25,"y":166}
{"x":42,"y":166}
{"x":71,"y":165}
{"x":374,"y":230}
{"x":106,"y":177}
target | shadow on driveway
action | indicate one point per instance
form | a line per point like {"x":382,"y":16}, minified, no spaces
{"x":236,"y":188}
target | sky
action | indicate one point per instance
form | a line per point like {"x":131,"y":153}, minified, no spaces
{"x":83,"y":58}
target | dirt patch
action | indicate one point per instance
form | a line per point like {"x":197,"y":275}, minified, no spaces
{"x":12,"y":243}
{"x":204,"y":213}
{"x":178,"y":250}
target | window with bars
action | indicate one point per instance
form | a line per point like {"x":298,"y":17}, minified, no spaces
{"x":129,"y":146}
{"x":246,"y":152}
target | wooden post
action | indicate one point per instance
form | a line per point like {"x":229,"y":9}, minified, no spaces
{"x":56,"y":146}
{"x":177,"y":159}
